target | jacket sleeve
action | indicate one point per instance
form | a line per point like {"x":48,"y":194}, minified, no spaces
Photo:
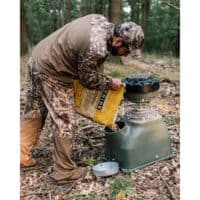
{"x":89,"y":62}
{"x":89,"y":72}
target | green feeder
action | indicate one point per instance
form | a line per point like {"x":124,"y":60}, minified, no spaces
{"x":142,"y":138}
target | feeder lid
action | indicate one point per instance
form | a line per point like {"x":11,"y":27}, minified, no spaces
{"x":106,"y":169}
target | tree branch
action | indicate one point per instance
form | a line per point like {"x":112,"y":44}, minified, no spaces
{"x":170,"y":5}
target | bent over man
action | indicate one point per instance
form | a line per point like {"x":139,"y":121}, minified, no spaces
{"x":75,"y":51}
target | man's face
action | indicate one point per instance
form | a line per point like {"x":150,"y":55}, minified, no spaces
{"x":118,"y":47}
{"x":119,"y":51}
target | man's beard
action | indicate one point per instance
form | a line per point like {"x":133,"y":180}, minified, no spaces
{"x":113,"y":51}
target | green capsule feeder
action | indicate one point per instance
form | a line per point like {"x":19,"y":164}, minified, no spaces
{"x":142,"y":138}
{"x":138,"y":145}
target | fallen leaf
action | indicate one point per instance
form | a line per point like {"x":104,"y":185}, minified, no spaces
{"x":120,"y":196}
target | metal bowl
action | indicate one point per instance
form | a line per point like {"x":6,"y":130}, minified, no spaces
{"x":106,"y":169}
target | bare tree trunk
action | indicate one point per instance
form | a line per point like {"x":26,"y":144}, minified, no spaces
{"x":132,"y":4}
{"x":115,"y":11}
{"x":145,"y":13}
{"x":23,"y":29}
{"x":137,"y":11}
{"x":115,"y":17}
{"x":55,"y":17}
{"x":177,"y":48}
{"x":86,"y":7}
{"x":68,"y":14}
{"x":99,"y":8}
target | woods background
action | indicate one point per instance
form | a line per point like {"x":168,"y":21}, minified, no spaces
{"x":159,"y":19}
{"x":160,"y":22}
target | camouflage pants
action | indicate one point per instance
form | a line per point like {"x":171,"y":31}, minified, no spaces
{"x":48,"y":95}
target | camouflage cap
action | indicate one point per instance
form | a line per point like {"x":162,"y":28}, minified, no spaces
{"x":132,"y":35}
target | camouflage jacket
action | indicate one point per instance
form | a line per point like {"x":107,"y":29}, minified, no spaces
{"x":76,"y":51}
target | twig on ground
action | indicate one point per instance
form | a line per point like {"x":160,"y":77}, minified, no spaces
{"x":168,"y":187}
{"x":103,"y":191}
{"x":86,"y":127}
{"x":97,"y":137}
{"x":70,"y":187}
{"x":96,"y":145}
{"x":25,"y":169}
{"x":34,"y":193}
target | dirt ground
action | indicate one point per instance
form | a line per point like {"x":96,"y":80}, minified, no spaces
{"x":160,"y":181}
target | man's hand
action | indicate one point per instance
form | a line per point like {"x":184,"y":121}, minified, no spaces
{"x":116,"y":84}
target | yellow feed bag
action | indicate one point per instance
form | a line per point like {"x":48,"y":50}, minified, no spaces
{"x":100,"y":106}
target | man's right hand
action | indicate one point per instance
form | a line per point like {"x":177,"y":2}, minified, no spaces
{"x":116,"y":84}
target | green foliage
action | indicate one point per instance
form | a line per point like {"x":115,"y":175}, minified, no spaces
{"x":141,"y":198}
{"x":171,"y":121}
{"x":45,"y":16}
{"x":115,"y":73}
{"x":90,"y":161}
{"x":162,"y":33}
{"x":121,"y":186}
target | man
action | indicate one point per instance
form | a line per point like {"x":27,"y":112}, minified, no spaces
{"x":75,"y":51}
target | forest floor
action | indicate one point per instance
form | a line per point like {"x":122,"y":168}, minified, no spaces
{"x":159,"y":181}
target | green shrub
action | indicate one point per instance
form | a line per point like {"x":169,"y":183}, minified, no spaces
{"x":121,"y":187}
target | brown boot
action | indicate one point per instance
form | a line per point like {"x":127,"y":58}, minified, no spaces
{"x":30,"y":132}
{"x":76,"y":175}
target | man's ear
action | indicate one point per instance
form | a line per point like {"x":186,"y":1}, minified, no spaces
{"x":117,"y":41}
